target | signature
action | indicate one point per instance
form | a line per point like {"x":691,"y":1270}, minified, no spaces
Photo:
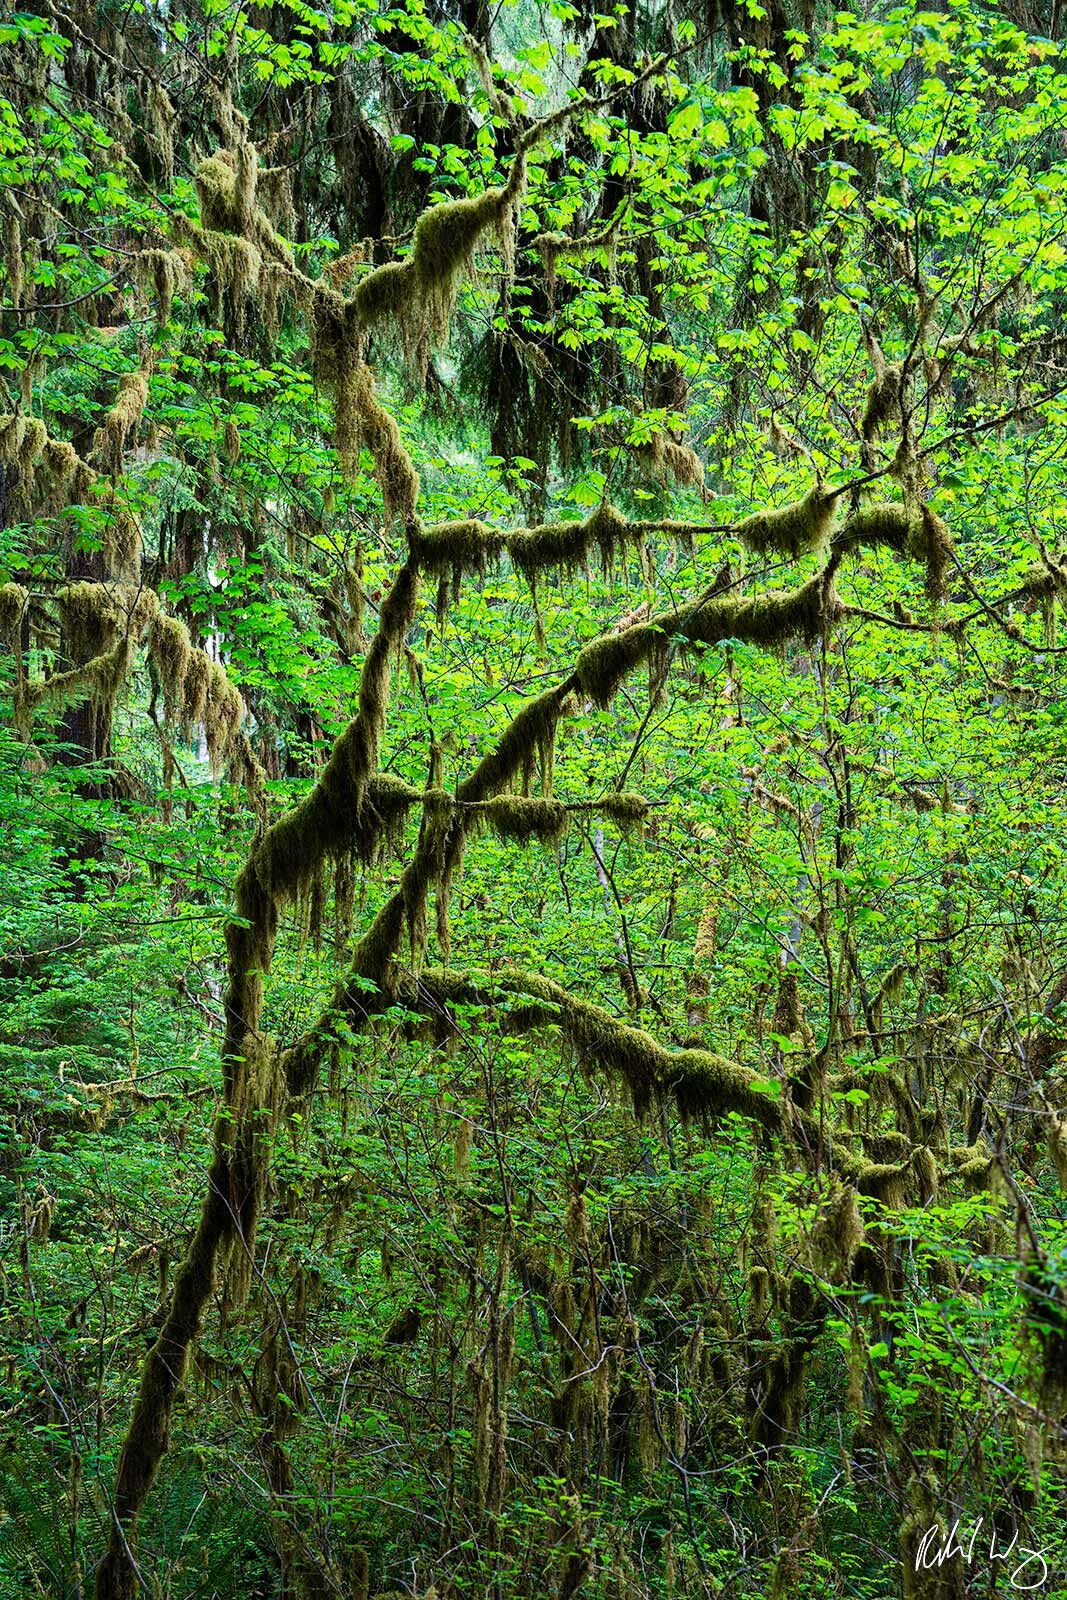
{"x":935,"y":1548}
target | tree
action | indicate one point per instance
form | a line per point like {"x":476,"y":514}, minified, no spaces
{"x":759,"y":320}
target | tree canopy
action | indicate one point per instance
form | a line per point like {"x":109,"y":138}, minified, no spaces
{"x":532,"y":760}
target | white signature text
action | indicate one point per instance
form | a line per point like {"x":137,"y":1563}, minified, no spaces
{"x":1030,"y":1569}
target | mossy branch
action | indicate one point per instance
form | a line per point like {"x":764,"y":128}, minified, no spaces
{"x":52,"y":475}
{"x":280,"y":863}
{"x":699,"y":1083}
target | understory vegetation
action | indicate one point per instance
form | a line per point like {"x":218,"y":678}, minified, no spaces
{"x":533,"y":963}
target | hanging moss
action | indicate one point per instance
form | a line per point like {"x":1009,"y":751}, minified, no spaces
{"x":223,"y":714}
{"x":335,"y":334}
{"x":570,"y":544}
{"x":521,"y":819}
{"x":226,"y":185}
{"x":235,"y":261}
{"x":90,"y":618}
{"x":782,"y":442}
{"x":1045,"y":579}
{"x":22,"y":441}
{"x":164,"y":272}
{"x":275,"y":191}
{"x":195,"y":684}
{"x":886,"y":1182}
{"x":625,"y":810}
{"x":99,"y":679}
{"x":759,"y":1280}
{"x":778,"y":1369}
{"x":793,"y":530}
{"x":920,"y":534}
{"x":103,"y":624}
{"x":667,"y":459}
{"x":13,"y":603}
{"x":172,"y":651}
{"x":552,"y":247}
{"x":931,"y":543}
{"x":700,"y":1084}
{"x":924,"y":1166}
{"x":163,"y":121}
{"x":397,"y":478}
{"x":122,"y":539}
{"x":884,"y":522}
{"x":70,"y":477}
{"x":468,"y":547}
{"x":883,"y":401}
{"x":360,"y":420}
{"x":531,"y":732}
{"x":838,"y":1233}
{"x":13,"y":257}
{"x":450,"y":547}
{"x":418,"y":295}
{"x":770,"y":620}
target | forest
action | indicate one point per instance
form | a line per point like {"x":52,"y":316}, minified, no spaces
{"x":533,"y":749}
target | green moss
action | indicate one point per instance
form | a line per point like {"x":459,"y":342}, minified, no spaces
{"x":22,"y":439}
{"x":884,"y":522}
{"x":448,"y":547}
{"x":123,"y":418}
{"x":418,"y":295}
{"x":99,"y":679}
{"x":883,"y":401}
{"x":531,"y":734}
{"x":195,"y":682}
{"x":172,"y":652}
{"x":223,"y":714}
{"x":931,"y":543}
{"x":920,"y":535}
{"x":770,"y":620}
{"x":521,"y":818}
{"x":89,"y":614}
{"x":13,"y":603}
{"x":625,"y":810}
{"x":667,"y":459}
{"x":794,"y":530}
{"x":702,"y":1085}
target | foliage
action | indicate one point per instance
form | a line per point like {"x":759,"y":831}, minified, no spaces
{"x":529,"y":586}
